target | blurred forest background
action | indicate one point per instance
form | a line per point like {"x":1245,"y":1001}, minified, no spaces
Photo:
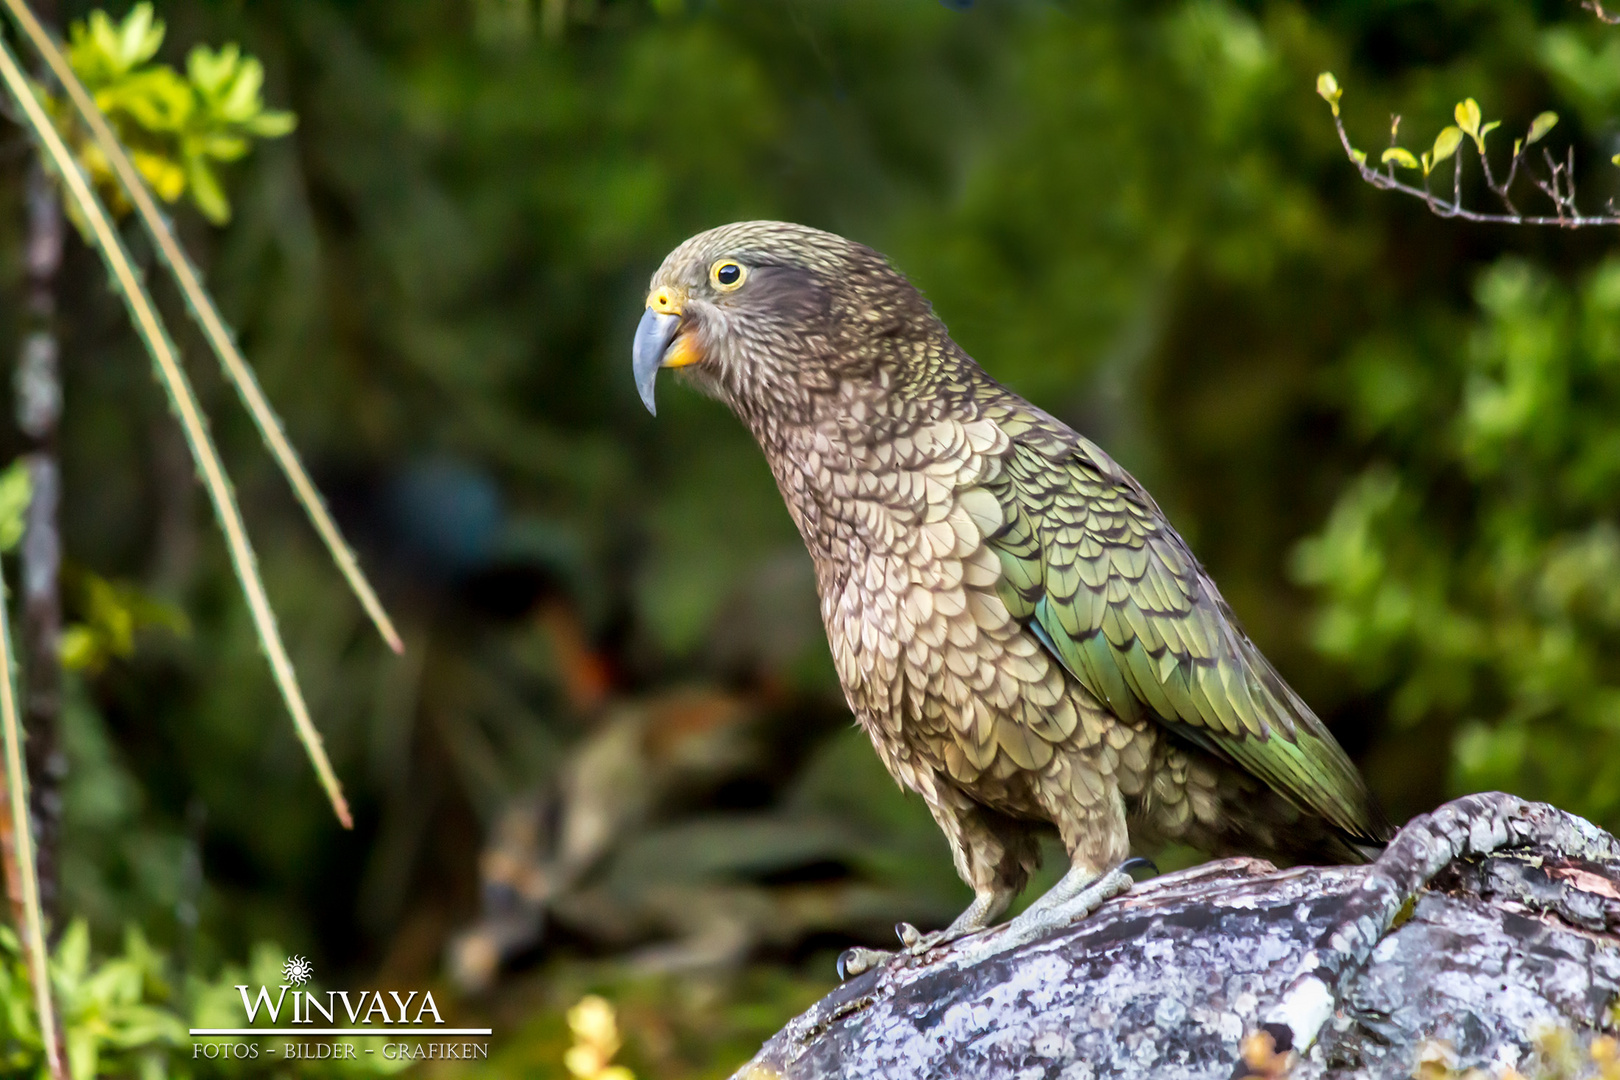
{"x":1392,"y":439}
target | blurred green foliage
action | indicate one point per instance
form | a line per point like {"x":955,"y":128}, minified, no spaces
{"x":127,"y":1015}
{"x":1472,"y":573}
{"x":15,"y":492}
{"x":107,"y":1015}
{"x":112,"y":613}
{"x":1388,"y":436}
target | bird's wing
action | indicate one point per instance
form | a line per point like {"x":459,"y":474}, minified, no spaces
{"x":1092,"y":567}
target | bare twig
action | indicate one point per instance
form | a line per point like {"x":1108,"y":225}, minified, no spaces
{"x":165,"y":358}
{"x":1501,"y":189}
{"x":207,"y":316}
{"x":1596,"y":8}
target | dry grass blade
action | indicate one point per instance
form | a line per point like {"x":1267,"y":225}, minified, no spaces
{"x":33,"y":934}
{"x":192,"y":422}
{"x":204,"y":311}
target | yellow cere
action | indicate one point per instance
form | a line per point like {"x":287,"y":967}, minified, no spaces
{"x":666,"y":301}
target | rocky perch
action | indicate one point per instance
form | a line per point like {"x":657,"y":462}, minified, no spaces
{"x":1483,"y":926}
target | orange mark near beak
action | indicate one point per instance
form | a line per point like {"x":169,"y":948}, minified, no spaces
{"x":683,"y":350}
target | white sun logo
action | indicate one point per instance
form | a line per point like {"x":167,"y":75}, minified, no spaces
{"x":297,"y":970}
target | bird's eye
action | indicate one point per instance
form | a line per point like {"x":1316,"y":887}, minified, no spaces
{"x":727,"y":275}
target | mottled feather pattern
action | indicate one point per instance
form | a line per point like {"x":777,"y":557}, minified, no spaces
{"x":1014,"y":622}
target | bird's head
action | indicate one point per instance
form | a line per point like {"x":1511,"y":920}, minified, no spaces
{"x":765,"y":315}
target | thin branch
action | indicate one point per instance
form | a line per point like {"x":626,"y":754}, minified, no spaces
{"x":184,"y":403}
{"x":1559,"y":187}
{"x":33,"y":933}
{"x":1596,"y":8}
{"x":207,"y":316}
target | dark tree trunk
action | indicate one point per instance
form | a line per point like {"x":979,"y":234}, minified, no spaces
{"x":39,"y":408}
{"x":1485,"y":933}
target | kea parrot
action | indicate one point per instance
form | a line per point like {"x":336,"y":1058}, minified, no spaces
{"x":1023,"y":635}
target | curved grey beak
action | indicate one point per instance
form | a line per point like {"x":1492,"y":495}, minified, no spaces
{"x":653,"y":335}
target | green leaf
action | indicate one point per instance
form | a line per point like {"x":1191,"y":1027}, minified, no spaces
{"x":241,"y":100}
{"x":16,"y":490}
{"x":206,"y":191}
{"x":271,"y":124}
{"x":210,"y":71}
{"x":81,"y":1054}
{"x":1540,"y":126}
{"x":163,"y":173}
{"x":139,"y":36}
{"x":218,"y":147}
{"x":1446,"y":143}
{"x":73,"y":956}
{"x":1328,"y":87}
{"x":1468,"y":117}
{"x":1400,"y":156}
{"x":79,"y":648}
{"x":104,"y":40}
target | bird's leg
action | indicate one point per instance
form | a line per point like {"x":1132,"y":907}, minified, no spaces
{"x":993,"y":854}
{"x":1076,"y":896}
{"x":978,"y":915}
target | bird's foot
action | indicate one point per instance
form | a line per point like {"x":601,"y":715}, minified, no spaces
{"x":1070,"y":900}
{"x":859,"y":960}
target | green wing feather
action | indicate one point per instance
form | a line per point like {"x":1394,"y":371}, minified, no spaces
{"x":1094,"y":569}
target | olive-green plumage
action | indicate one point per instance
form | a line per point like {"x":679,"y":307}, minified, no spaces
{"x":1016,"y":625}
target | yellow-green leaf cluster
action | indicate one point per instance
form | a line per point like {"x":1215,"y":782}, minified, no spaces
{"x":1470,"y":122}
{"x":178,"y":127}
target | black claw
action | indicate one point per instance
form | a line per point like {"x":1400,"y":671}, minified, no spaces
{"x":843,"y":965}
{"x":1136,"y":862}
{"x":900,"y":929}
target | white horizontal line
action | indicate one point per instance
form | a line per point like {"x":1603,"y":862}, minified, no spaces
{"x":418,"y":1032}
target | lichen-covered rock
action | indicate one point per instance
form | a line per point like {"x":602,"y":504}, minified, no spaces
{"x":1482,"y":925}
